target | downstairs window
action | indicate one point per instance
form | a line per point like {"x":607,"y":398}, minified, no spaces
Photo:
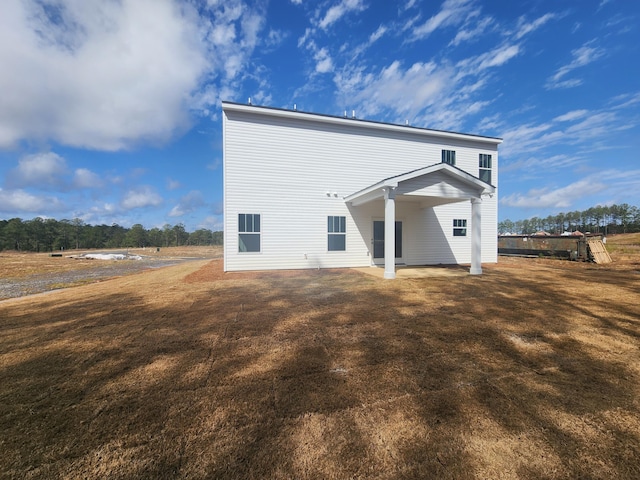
{"x":248,"y":232}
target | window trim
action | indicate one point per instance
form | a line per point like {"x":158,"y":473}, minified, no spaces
{"x":249,"y":228}
{"x":485,"y":159}
{"x":459,"y":227}
{"x":341,"y":231}
{"x":448,"y":157}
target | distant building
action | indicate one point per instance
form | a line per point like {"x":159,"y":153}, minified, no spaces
{"x":304,"y":190}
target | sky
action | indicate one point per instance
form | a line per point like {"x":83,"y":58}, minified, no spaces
{"x":110,"y":110}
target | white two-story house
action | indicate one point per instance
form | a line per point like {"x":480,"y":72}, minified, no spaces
{"x":304,"y":190}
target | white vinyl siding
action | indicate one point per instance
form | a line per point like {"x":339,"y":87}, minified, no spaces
{"x":295,"y":172}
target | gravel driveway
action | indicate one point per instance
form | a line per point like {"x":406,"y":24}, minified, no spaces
{"x":100,"y":270}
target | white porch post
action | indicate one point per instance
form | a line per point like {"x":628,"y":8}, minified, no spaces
{"x":390,"y":232}
{"x":476,"y":236}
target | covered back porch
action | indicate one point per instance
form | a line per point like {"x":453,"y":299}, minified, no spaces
{"x":425,"y":188}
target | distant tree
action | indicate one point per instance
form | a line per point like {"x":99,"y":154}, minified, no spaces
{"x":115,"y":236}
{"x":154,"y":237}
{"x":77,"y":231}
{"x":92,"y":236}
{"x":528,"y":227}
{"x":64,"y":235}
{"x":506,"y":226}
{"x":574,"y":220}
{"x":167,"y":233}
{"x":136,"y":236}
{"x":15,"y":235}
{"x":35,"y":234}
{"x":623,"y":214}
{"x":217,"y":238}
{"x":202,"y":236}
{"x":180,"y":235}
{"x":634,"y":215}
{"x":600,"y":218}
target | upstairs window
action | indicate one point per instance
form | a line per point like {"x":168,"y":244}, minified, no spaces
{"x":485,"y":168}
{"x":248,"y":232}
{"x":449,"y":156}
{"x":336,"y":231}
{"x":460,"y":227}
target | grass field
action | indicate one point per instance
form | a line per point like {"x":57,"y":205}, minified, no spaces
{"x":531,"y":370}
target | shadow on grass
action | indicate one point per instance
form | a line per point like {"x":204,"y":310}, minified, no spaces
{"x":326,"y":375}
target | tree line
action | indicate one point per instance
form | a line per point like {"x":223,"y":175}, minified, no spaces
{"x":48,"y":234}
{"x":611,"y":219}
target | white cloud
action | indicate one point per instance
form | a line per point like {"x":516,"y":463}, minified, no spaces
{"x":109,"y":75}
{"x":524,"y":28}
{"x":16,"y":202}
{"x":497,"y":57}
{"x":554,"y":197}
{"x":570,"y":116}
{"x":173,"y":184}
{"x":187,"y":204}
{"x":574,"y":82}
{"x":583,"y":133}
{"x":394,"y":88}
{"x":42,"y":170}
{"x":85,"y":178}
{"x":308,"y":33}
{"x":452,"y":12}
{"x":375,"y":36}
{"x":476,"y":30}
{"x":213,"y":223}
{"x":627,"y":100}
{"x":581,"y":56}
{"x":324,"y":64}
{"x":275,"y":37}
{"x":524,"y":138}
{"x":105,"y":209}
{"x":436,"y":94}
{"x":223,"y":34}
{"x":336,"y":12}
{"x":215,"y":165}
{"x":143,"y":196}
{"x":409,"y":4}
{"x":617,"y":184}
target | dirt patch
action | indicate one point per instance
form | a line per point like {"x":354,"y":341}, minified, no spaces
{"x":531,"y":370}
{"x":28,"y":273}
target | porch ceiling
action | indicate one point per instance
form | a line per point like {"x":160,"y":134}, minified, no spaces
{"x":433,"y":185}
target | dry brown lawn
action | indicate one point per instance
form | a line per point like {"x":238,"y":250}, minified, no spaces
{"x":531,"y":370}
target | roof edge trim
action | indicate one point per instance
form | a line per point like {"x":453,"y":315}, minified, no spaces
{"x":357,"y":122}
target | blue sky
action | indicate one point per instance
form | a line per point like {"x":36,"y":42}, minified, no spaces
{"x":110,"y":109}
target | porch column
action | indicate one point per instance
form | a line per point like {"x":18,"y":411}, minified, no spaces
{"x":390,"y":232}
{"x":476,"y":236}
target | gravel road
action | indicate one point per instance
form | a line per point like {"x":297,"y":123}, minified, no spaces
{"x":100,"y":270}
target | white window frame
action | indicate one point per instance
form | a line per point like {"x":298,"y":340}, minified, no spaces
{"x":336,"y":227}
{"x":449,"y":156}
{"x":459,"y":227}
{"x":248,"y":229}
{"x":485,"y":163}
